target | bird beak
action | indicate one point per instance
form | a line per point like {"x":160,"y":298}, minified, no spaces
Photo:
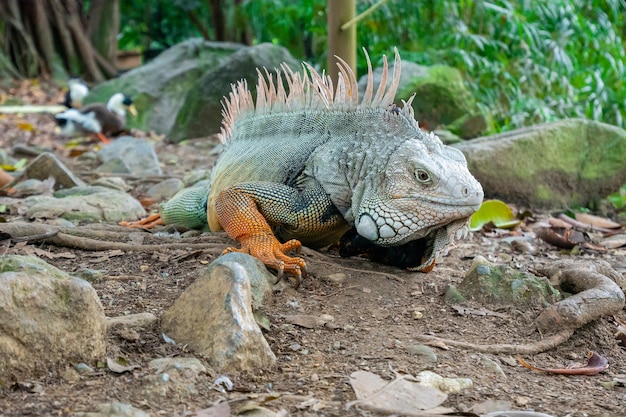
{"x":57,"y":130}
{"x":132,"y":110}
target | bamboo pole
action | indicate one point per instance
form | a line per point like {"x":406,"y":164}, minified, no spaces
{"x":341,"y":43}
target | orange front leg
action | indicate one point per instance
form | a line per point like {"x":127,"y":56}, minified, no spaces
{"x":239,"y":215}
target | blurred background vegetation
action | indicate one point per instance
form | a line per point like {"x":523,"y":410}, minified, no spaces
{"x":526,"y":61}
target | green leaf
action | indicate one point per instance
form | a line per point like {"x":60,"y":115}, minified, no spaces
{"x":494,"y":211}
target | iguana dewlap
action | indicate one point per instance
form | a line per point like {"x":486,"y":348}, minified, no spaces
{"x":311,"y":164}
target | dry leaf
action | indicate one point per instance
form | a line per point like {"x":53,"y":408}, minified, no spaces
{"x":399,"y":396}
{"x":614,"y":242}
{"x":25,"y":126}
{"x":595,"y":365}
{"x":119,"y":366}
{"x":596,"y":221}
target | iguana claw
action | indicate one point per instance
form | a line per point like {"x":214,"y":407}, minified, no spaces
{"x":271,"y":252}
{"x":146,"y":223}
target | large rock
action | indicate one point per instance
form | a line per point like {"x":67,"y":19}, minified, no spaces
{"x":128,"y":155}
{"x":441,"y":97}
{"x":85,"y":204}
{"x":180,"y":92}
{"x":159,"y":88}
{"x":201,"y":114}
{"x":48,"y":319}
{"x":214,"y":315}
{"x":554,"y":165}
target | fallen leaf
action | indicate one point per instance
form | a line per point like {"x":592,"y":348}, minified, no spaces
{"x":556,"y":222}
{"x":560,"y":237}
{"x":119,"y":365}
{"x":596,"y":221}
{"x":614,"y":242}
{"x":399,"y":396}
{"x":25,"y":126}
{"x":595,"y":365}
{"x":495,"y":211}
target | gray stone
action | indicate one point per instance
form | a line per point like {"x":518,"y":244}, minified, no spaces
{"x":173,"y":379}
{"x":214,"y":315}
{"x":48,"y":165}
{"x":128,"y":155}
{"x":85,"y":204}
{"x":489,"y":283}
{"x":165,"y":190}
{"x":423,"y":352}
{"x":571,"y":162}
{"x":441,"y":97}
{"x":115,"y":183}
{"x":48,"y":319}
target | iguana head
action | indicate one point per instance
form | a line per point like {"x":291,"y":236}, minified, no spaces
{"x":427,"y":193}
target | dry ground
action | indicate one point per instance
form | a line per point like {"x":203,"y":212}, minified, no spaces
{"x":374,"y":327}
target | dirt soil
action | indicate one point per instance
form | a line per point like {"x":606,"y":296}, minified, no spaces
{"x":378,"y":311}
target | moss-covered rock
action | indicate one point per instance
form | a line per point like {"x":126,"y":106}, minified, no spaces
{"x":181,"y":91}
{"x":159,"y":88}
{"x":441,"y":98}
{"x":201,"y":114}
{"x":489,"y":283}
{"x":553,"y":165}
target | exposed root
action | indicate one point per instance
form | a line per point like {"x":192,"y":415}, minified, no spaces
{"x":596,"y":294}
{"x":526,"y":349}
{"x":92,"y":239}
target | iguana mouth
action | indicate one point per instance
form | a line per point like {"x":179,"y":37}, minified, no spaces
{"x":416,"y":255}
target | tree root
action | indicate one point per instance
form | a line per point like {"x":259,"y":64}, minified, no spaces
{"x":597,"y":293}
{"x":542,"y":345}
{"x":92,"y":239}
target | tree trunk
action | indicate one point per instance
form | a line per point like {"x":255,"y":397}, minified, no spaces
{"x":103,"y":26}
{"x":341,"y":43}
{"x":38,"y":33}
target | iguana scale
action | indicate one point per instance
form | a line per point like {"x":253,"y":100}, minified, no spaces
{"x":309,"y":164}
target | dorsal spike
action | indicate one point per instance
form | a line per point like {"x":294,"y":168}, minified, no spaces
{"x":395,"y":80}
{"x":380,"y":93}
{"x":310,"y":90}
{"x":366,"y":101}
{"x":350,"y":88}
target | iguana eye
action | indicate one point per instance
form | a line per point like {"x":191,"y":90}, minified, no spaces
{"x":422,"y":176}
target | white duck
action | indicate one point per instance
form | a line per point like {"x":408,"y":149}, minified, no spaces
{"x":97,"y":118}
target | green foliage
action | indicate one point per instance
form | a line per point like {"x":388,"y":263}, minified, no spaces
{"x":157,"y":24}
{"x":526,"y":61}
{"x":618,"y":198}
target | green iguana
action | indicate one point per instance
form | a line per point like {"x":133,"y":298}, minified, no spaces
{"x":309,"y":164}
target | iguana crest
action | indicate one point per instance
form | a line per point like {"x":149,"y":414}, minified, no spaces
{"x":311,"y":90}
